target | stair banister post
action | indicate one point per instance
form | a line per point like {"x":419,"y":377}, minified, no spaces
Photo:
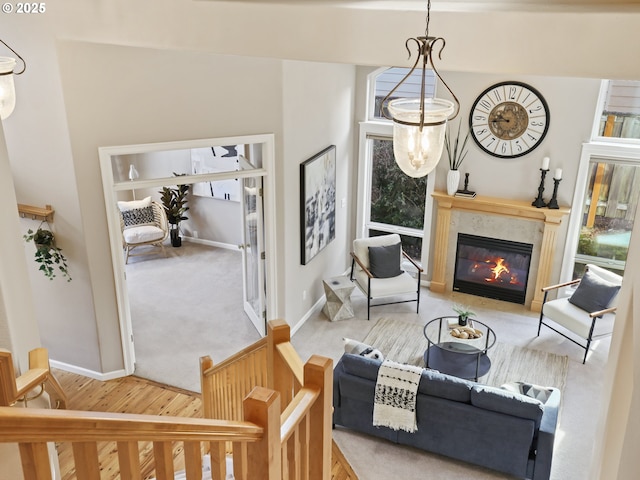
{"x":278,"y":374}
{"x":262,"y":407}
{"x":318,"y":373}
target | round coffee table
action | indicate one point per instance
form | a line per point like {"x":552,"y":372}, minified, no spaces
{"x":464,"y":358}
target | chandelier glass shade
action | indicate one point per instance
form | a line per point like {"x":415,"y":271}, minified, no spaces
{"x":7,"y":87}
{"x":418,"y":133}
{"x":419,"y":124}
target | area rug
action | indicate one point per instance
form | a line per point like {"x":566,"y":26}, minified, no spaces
{"x":405,"y":342}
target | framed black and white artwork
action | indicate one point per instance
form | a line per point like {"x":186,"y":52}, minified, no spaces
{"x":213,"y":160}
{"x":317,"y":203}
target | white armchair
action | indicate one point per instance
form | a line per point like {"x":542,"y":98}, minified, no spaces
{"x":587,"y":314}
{"x":376,"y":270}
{"x":142,"y":222}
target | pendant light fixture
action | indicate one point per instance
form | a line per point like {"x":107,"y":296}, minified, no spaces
{"x":419,"y":124}
{"x":7,"y":87}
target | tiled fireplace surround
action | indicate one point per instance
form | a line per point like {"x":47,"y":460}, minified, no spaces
{"x":492,"y":217}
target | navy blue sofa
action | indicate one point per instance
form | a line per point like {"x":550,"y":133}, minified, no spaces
{"x":487,"y":426}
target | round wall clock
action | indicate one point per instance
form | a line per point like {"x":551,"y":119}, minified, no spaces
{"x":509,"y":119}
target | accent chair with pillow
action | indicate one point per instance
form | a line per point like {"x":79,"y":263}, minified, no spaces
{"x":142,"y":222}
{"x":376,"y":270}
{"x":589,"y":313}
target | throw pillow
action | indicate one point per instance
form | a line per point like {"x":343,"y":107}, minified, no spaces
{"x":384,"y":262}
{"x":138,"y":216}
{"x":594,"y":293}
{"x":530,"y":390}
{"x":133,"y":204}
{"x":358,"y":348}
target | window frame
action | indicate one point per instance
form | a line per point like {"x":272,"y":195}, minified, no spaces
{"x":595,"y":129}
{"x":379,"y":129}
{"x":608,"y":152}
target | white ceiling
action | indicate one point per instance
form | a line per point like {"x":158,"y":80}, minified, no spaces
{"x":457,"y":4}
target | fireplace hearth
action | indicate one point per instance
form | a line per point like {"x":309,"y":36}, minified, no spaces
{"x":492,"y":267}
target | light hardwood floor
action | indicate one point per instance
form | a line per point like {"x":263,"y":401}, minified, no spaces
{"x":137,"y":395}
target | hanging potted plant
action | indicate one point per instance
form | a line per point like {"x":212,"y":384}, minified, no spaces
{"x":48,"y":254}
{"x":174,"y":201}
{"x":456,"y":152}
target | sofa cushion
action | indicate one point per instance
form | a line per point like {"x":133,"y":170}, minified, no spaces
{"x":361,"y":366}
{"x":509,"y":403}
{"x":529,"y":389}
{"x":445,"y":386}
{"x":384,"y":261}
{"x":362,"y":349}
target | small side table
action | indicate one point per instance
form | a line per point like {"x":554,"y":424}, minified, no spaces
{"x":338,"y":292}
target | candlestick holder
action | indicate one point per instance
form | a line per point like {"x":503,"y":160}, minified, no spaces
{"x":553,"y":203}
{"x":539,"y":202}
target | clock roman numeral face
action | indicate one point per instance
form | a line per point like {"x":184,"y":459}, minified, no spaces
{"x":509,"y":119}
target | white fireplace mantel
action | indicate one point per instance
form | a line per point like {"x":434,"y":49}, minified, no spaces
{"x":497,"y":206}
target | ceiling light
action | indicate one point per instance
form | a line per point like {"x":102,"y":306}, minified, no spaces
{"x":419,"y":124}
{"x":7,"y":87}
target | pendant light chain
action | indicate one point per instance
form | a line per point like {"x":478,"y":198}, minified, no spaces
{"x":426,"y":28}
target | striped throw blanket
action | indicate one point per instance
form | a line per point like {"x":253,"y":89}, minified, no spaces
{"x":395,"y":398}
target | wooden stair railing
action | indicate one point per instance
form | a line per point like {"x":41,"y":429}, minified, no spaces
{"x":13,"y":390}
{"x":305,"y":393}
{"x":33,"y":428}
{"x":277,"y":433}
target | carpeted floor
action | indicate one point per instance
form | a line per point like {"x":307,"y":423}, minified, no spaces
{"x":183,"y":307}
{"x":515,"y":326}
{"x":405,"y":342}
{"x":170,"y":338}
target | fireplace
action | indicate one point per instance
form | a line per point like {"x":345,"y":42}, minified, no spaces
{"x":492,"y":267}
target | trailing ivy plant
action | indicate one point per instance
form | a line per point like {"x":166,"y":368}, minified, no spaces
{"x":48,"y":254}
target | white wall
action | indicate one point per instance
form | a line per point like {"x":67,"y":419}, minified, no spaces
{"x":130,"y":105}
{"x":318,"y":108}
{"x":572,"y":105}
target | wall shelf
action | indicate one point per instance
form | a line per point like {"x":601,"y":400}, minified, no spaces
{"x":36,"y":213}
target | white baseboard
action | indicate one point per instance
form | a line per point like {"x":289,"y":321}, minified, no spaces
{"x":210,"y":243}
{"x":88,"y":373}
{"x":314,"y":309}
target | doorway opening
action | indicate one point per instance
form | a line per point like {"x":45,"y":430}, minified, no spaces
{"x":155,"y":172}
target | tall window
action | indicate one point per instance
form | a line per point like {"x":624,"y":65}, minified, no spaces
{"x":392,"y":202}
{"x":397,"y":200}
{"x":608,"y":187}
{"x":608,"y":212}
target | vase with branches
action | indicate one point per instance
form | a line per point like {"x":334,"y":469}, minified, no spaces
{"x":456,"y":153}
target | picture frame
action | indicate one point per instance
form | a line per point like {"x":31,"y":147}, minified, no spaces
{"x":217,"y":159}
{"x":317,"y":203}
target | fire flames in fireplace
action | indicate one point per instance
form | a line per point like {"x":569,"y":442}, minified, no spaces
{"x":496,"y":270}
{"x":491,"y":267}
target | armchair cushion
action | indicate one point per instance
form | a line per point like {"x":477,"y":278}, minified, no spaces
{"x":594,"y":293}
{"x":384,"y":261}
{"x":138,"y":216}
{"x":142,"y":234}
{"x":133,"y":204}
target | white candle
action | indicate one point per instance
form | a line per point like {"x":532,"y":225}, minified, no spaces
{"x":558,"y":175}
{"x":545,"y":163}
